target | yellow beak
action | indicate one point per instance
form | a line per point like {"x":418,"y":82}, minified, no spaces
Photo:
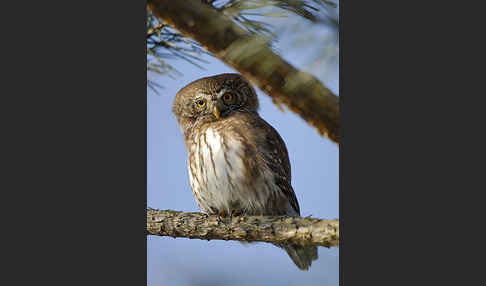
{"x":216,"y":113}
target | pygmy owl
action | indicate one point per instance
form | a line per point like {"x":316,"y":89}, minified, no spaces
{"x":237,"y":162}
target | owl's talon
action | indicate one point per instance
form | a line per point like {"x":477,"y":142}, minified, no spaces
{"x":235,"y":213}
{"x":223,"y":214}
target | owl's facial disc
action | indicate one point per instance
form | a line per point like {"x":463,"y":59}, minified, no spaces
{"x":216,"y":105}
{"x":208,"y":107}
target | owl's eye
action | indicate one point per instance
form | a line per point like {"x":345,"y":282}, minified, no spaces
{"x":201,"y":103}
{"x":228,"y":97}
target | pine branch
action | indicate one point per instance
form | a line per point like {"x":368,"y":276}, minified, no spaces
{"x":276,"y":229}
{"x":165,"y":43}
{"x":154,"y":30}
{"x":252,"y":56}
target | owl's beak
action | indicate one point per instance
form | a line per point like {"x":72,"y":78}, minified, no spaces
{"x":216,"y":112}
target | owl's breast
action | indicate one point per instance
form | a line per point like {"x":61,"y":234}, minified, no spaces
{"x":221,"y":174}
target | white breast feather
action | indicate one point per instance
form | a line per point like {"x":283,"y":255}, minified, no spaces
{"x":217,"y":178}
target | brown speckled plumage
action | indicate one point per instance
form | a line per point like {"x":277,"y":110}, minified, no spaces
{"x":236,"y":160}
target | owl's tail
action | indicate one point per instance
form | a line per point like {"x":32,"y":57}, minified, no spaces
{"x":302,"y":256}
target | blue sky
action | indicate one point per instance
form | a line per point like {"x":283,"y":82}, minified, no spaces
{"x":315,"y":179}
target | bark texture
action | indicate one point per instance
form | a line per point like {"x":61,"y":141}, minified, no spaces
{"x":252,"y":57}
{"x":277,"y":229}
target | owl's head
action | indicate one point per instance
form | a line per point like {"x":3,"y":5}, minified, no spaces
{"x":214,"y":98}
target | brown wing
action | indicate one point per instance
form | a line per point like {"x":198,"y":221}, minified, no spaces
{"x":262,"y":138}
{"x":276,"y":156}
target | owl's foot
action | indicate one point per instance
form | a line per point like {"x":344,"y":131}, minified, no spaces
{"x":235,"y":213}
{"x":223,"y":214}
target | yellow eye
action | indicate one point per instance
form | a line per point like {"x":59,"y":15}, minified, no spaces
{"x":201,"y":103}
{"x":227,"y":97}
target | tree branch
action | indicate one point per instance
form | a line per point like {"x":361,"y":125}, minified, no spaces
{"x":276,"y":229}
{"x":252,"y":56}
{"x":154,"y":30}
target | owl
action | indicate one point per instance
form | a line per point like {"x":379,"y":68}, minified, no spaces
{"x":238,"y":164}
